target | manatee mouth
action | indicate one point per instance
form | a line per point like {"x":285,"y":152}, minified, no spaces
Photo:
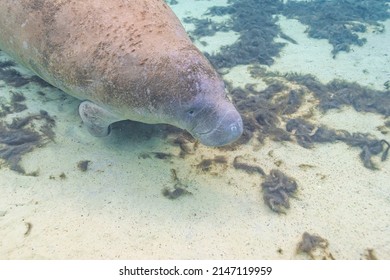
{"x":205,"y":133}
{"x":228,"y":129}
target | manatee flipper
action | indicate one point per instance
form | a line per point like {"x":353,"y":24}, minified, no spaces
{"x":96,"y":118}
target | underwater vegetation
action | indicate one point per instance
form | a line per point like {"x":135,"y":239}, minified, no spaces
{"x":278,"y":113}
{"x":188,"y":145}
{"x":307,"y":134}
{"x":177,"y":190}
{"x":20,"y":134}
{"x":171,"y":2}
{"x":13,"y":78}
{"x":339,"y":22}
{"x":257,"y":27}
{"x":208,"y":164}
{"x":274,"y":112}
{"x":277,"y":189}
{"x":83,"y":165}
{"x":338,"y":93}
{"x":314,"y":246}
{"x":240,"y":163}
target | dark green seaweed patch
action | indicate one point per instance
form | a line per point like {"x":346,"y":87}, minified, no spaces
{"x":157,"y":155}
{"x":15,"y":106}
{"x":255,"y":22}
{"x":42,"y":83}
{"x":83,"y":165}
{"x":14,"y":144}
{"x":268,"y":113}
{"x":6,"y":63}
{"x":262,"y":110}
{"x":277,"y":189}
{"x":339,"y":21}
{"x":387,"y":85}
{"x":208,"y":164}
{"x":171,"y":2}
{"x":307,"y":134}
{"x":205,"y":27}
{"x":23,"y":134}
{"x":337,"y":93}
{"x":13,"y":78}
{"x":161,"y":155}
{"x":240,"y":163}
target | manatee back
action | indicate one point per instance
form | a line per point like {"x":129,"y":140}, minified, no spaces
{"x":81,"y":47}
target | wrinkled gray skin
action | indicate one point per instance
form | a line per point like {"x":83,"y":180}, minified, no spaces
{"x":127,"y":59}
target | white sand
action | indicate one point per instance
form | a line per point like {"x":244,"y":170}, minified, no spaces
{"x":115,"y":210}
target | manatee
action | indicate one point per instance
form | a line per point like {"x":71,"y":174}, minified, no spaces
{"x":124,"y":59}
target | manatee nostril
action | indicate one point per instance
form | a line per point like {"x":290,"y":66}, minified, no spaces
{"x":234,"y":127}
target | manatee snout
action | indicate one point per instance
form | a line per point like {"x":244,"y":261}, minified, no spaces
{"x":228,"y":130}
{"x":218,"y":126}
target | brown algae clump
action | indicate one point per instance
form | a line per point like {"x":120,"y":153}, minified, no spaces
{"x":239,"y":163}
{"x":206,"y":165}
{"x":277,"y":189}
{"x":178,"y":189}
{"x":22,"y":136}
{"x":315,"y":246}
{"x":83,"y":165}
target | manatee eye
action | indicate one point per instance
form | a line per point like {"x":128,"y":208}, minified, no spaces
{"x":194,"y":110}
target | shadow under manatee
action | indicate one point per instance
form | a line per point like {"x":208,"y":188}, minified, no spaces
{"x":127,"y":131}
